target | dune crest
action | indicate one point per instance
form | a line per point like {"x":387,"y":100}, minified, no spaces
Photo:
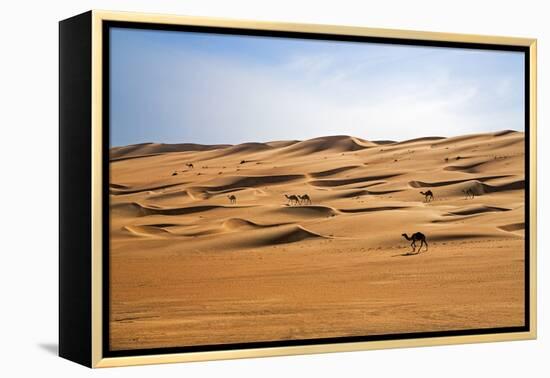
{"x":282,"y":235}
{"x":355,"y":180}
{"x":238,"y":223}
{"x":477,"y":209}
{"x":150,"y":149}
{"x":337,"y":143}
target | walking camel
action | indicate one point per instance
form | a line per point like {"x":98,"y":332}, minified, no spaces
{"x":305,"y":199}
{"x":190,"y":165}
{"x":428,"y":196}
{"x":469,"y":193}
{"x":417,"y":236}
{"x":232,"y":199}
{"x":292,"y":199}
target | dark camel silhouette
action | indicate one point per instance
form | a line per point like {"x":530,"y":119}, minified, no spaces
{"x":428,"y":196}
{"x":190,"y":165}
{"x":417,"y":236}
{"x":232,"y":199}
{"x":305,"y":199}
{"x":469,"y":193}
{"x":292,"y":199}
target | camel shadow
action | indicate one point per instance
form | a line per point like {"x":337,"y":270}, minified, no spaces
{"x":407,"y":254}
{"x":410,"y":253}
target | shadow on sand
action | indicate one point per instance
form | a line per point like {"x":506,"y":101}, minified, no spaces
{"x":407,"y":254}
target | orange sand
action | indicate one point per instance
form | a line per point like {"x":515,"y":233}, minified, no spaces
{"x":189,"y":268}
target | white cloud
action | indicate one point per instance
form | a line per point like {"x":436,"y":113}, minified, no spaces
{"x":215,"y":99}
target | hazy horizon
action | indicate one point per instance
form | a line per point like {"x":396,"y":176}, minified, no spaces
{"x":301,"y":140}
{"x":181,"y":87}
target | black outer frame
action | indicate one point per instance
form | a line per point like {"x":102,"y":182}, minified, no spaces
{"x":75,"y":104}
{"x":75,"y":189}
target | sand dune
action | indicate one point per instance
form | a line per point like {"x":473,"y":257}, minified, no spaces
{"x":138,"y":210}
{"x":476,"y":209}
{"x":419,"y":140}
{"x":421,"y":184}
{"x":145,"y":230}
{"x":234,"y":182}
{"x":282,"y":235}
{"x":489,"y":165}
{"x":338,"y":143}
{"x":513,"y":185}
{"x":311,"y":211}
{"x":335,"y":171}
{"x":191,"y":267}
{"x":281,"y":143}
{"x":239,"y":224}
{"x":122,"y":189}
{"x":249,"y":149}
{"x":513,"y":227}
{"x":149,"y":149}
{"x":354,"y":180}
{"x":370,"y":209}
{"x":469,"y":168}
{"x":462,"y":140}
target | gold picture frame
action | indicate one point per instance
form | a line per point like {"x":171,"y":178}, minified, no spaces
{"x":90,"y":268}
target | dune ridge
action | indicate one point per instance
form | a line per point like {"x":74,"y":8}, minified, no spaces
{"x":477,"y":209}
{"x":151,"y":149}
{"x":337,"y":143}
{"x":355,"y":180}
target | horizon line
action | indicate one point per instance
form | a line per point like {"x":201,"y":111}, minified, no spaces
{"x":319,"y":137}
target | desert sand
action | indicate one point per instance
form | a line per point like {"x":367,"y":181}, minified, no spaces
{"x":191,"y":265}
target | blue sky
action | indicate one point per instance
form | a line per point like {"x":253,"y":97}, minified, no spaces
{"x":180,"y":87}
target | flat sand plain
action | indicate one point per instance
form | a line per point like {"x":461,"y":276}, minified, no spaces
{"x":189,"y":267}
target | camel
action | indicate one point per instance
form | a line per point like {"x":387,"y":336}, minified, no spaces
{"x":232,"y":199}
{"x":469,"y":193}
{"x":190,"y":165}
{"x":305,"y":199}
{"x":292,"y":199}
{"x":417,"y":236}
{"x":428,"y":196}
